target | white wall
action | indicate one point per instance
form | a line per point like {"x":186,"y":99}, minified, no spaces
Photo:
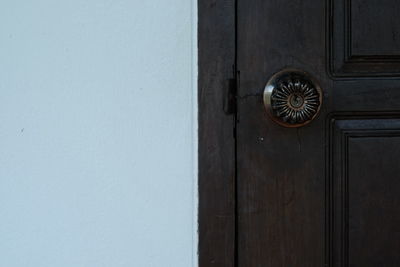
{"x":97,"y":133}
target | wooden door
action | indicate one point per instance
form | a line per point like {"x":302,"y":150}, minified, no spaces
{"x":326,"y":193}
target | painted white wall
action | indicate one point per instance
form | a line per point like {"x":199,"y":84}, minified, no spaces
{"x":97,"y":133}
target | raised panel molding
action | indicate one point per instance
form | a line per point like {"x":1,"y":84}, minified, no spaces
{"x":342,"y":131}
{"x":348,"y":60}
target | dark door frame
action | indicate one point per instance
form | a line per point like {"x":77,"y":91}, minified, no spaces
{"x":216,"y":59}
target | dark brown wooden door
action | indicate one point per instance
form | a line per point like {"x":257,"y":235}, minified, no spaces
{"x":327,"y":193}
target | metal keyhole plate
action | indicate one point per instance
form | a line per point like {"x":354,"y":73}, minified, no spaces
{"x":296,"y":101}
{"x":292,"y":98}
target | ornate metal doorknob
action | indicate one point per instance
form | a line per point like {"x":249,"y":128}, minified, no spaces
{"x":292,"y":98}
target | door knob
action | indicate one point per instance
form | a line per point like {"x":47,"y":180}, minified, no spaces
{"x":292,"y":98}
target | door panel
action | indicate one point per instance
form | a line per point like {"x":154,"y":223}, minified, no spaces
{"x":316,"y":195}
{"x":364,"y":188}
{"x":369,"y":38}
{"x":364,"y":37}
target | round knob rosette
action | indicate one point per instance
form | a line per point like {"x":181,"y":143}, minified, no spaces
{"x":292,"y":98}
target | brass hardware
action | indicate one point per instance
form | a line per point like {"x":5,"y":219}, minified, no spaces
{"x":292,"y":98}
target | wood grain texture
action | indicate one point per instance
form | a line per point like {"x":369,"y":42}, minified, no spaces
{"x":285,"y":208}
{"x":363,"y":188}
{"x":280,"y":170}
{"x":216,"y":35}
{"x":291,"y":207}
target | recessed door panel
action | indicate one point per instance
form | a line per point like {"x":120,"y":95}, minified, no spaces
{"x":363,"y":188}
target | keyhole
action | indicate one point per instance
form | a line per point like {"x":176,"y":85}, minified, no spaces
{"x":296,"y":101}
